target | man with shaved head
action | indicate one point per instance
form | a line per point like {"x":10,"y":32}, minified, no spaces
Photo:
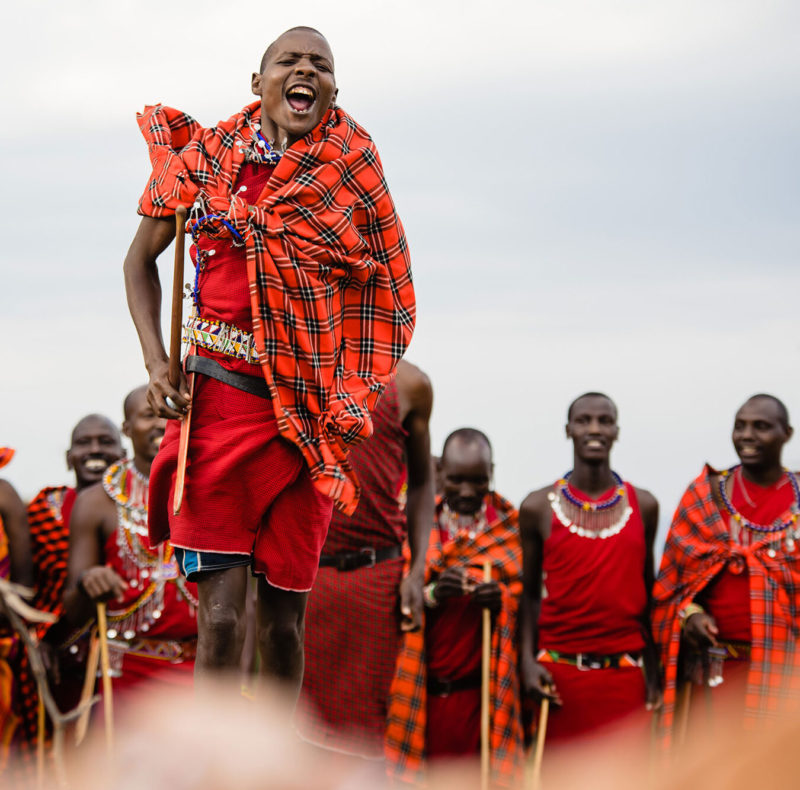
{"x":303,"y":306}
{"x":728,"y":593}
{"x":587,"y":543}
{"x":152,"y":626}
{"x":435,"y":698}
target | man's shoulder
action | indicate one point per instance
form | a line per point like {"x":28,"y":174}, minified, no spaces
{"x":536,"y":502}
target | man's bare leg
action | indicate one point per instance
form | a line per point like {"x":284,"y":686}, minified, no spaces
{"x":221,"y":620}
{"x":281,"y":631}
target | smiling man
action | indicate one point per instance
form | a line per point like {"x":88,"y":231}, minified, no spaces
{"x":588,"y":556}
{"x":151,"y":610}
{"x":728,"y":592}
{"x":303,"y":305}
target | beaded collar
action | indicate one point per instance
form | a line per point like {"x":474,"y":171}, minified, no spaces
{"x":456,"y":523}
{"x":602,"y":519}
{"x":763,"y":529}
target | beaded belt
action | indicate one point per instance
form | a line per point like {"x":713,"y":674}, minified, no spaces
{"x":164,"y":650}
{"x":221,"y":337}
{"x":590,"y":660}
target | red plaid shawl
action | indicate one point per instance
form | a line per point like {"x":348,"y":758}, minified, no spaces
{"x":405,"y":729}
{"x":698,"y":547}
{"x":331,"y":292}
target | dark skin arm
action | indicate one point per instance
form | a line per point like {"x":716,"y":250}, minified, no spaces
{"x":648,"y":506}
{"x":93,"y":520}
{"x":15,"y":524}
{"x":143,"y":289}
{"x":534,"y":528}
{"x":415,"y":396}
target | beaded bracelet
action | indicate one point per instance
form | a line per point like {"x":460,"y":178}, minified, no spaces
{"x":429,"y":595}
{"x":689,"y":610}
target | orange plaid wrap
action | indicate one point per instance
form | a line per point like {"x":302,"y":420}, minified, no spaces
{"x":698,"y":547}
{"x":330,"y":280}
{"x":404,"y":743}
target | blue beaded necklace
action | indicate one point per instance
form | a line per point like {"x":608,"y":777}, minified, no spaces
{"x":752,"y":526}
{"x":595,"y":507}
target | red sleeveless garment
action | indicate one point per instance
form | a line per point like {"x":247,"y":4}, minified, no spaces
{"x":727,"y":599}
{"x":594,"y":602}
{"x":159,"y":606}
{"x":352,"y":620}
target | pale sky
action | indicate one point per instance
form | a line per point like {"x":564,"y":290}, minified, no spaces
{"x":596,"y":196}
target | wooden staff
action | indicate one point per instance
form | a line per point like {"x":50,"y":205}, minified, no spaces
{"x":485,"y":681}
{"x":40,"y":721}
{"x":682,"y":713}
{"x":92,"y":662}
{"x":541,"y":732}
{"x":175,"y":354}
{"x":105,"y":668}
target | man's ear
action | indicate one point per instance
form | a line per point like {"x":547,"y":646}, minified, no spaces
{"x":255,"y":84}
{"x":126,"y":429}
{"x":69,"y":463}
{"x":333,"y":98}
{"x":567,"y":431}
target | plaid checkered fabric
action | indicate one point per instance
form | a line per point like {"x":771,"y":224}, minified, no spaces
{"x":331,"y":291}
{"x":698,"y":547}
{"x":405,"y":729}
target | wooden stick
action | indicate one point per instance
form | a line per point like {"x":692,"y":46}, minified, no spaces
{"x":685,"y":702}
{"x":177,"y":300}
{"x":105,"y":668}
{"x":485,"y":683}
{"x":92,"y":662}
{"x":40,"y":721}
{"x":183,"y":453}
{"x":541,"y":733}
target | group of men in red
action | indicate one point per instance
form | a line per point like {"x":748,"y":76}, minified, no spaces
{"x":304,"y":441}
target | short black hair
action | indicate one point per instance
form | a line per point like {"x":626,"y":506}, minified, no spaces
{"x":94,"y":418}
{"x":783,"y":412}
{"x":468,"y":436}
{"x":590,"y":395}
{"x":268,"y":50}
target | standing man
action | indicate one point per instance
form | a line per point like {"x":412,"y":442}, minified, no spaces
{"x":728,"y":592}
{"x":151,"y":609}
{"x":435,"y":698}
{"x":94,"y":444}
{"x":588,"y":555}
{"x":303,"y":307}
{"x":354,"y":617}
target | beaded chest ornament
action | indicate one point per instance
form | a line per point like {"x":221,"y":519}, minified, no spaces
{"x":454,"y":523}
{"x":602,"y":519}
{"x":752,"y":532}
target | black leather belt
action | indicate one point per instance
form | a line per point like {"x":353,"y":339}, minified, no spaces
{"x":363,"y":558}
{"x":439,"y":687}
{"x":255,"y":385}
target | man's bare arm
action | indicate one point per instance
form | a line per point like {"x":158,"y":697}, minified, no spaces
{"x":648,"y":506}
{"x":143,"y":289}
{"x":416,"y":403}
{"x":534,"y":520}
{"x":15,"y":523}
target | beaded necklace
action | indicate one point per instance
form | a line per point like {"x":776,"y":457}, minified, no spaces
{"x":454,"y":523}
{"x":602,"y":519}
{"x":145,"y":569}
{"x":746,"y":538}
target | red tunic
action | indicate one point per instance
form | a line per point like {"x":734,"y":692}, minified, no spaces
{"x":594,"y":602}
{"x":727,"y":598}
{"x":352,"y":620}
{"x":256,"y":497}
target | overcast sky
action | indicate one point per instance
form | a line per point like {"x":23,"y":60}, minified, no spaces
{"x":596,"y":195}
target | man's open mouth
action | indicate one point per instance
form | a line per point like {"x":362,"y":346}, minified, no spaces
{"x":95,"y":464}
{"x":301,"y":98}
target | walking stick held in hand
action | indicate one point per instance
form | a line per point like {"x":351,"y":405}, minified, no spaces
{"x":541,"y":732}
{"x":105,"y":668}
{"x":175,"y":354}
{"x":485,"y":679}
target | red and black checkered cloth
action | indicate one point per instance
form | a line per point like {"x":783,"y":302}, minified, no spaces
{"x":405,"y":729}
{"x":331,"y":292}
{"x":698,"y":547}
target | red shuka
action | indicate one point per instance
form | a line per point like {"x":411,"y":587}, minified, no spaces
{"x":331,"y":294}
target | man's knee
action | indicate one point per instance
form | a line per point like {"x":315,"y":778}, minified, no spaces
{"x":282,"y":634}
{"x":222,"y":623}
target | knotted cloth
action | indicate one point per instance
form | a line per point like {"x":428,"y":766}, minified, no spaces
{"x":328,"y":265}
